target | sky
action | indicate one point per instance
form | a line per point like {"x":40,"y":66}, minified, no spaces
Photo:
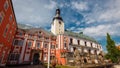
{"x":94,"y":18}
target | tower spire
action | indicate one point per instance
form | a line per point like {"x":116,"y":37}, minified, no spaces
{"x":57,"y":12}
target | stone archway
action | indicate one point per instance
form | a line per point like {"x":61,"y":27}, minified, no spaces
{"x":36,"y":58}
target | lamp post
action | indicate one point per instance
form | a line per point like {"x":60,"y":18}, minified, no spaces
{"x":49,"y":55}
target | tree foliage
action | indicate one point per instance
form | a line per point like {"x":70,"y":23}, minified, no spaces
{"x":113,"y":52}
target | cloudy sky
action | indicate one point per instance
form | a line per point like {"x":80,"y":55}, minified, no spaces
{"x":94,"y":17}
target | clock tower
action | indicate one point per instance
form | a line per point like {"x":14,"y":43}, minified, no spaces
{"x":57,"y":26}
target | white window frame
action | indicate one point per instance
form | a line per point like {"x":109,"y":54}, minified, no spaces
{"x":5,"y":32}
{"x":6,"y":4}
{"x":2,"y":16}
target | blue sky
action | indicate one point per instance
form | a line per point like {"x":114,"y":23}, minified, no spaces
{"x":94,"y":17}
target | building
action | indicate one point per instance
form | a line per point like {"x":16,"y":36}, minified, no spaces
{"x":68,"y":41}
{"x":31,"y":45}
{"x":8,"y":28}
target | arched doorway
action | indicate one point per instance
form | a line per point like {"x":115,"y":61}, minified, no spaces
{"x":36,"y":58}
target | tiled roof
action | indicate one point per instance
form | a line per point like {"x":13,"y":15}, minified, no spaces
{"x":33,"y":30}
{"x":79,"y":35}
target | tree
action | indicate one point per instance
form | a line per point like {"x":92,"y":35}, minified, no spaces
{"x":113,"y":52}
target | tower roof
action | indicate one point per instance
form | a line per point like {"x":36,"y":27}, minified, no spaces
{"x":57,"y":16}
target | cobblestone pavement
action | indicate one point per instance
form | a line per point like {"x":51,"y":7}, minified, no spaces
{"x":26,"y":66}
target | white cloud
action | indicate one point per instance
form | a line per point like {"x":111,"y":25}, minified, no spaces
{"x":108,"y":12}
{"x":77,"y":23}
{"x":81,"y":6}
{"x":72,"y":28}
{"x":101,"y":30}
{"x":52,"y":5}
{"x":118,"y":44}
{"x":34,"y":13}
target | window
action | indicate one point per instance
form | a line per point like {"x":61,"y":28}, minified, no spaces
{"x":29,"y":44}
{"x":14,"y":57}
{"x":17,"y":57}
{"x":6,"y":30}
{"x":45,"y":57}
{"x":6,"y":5}
{"x":45,"y":46}
{"x":20,"y":33}
{"x":18,"y":42}
{"x":1,"y":16}
{"x":10,"y":18}
{"x":13,"y":24}
{"x":52,"y":57}
{"x":71,"y":40}
{"x":62,"y":55}
{"x":38,"y":45}
{"x":85,"y":43}
{"x":91,"y":45}
{"x":65,"y":45}
{"x":89,"y":51}
{"x":9,"y":36}
{"x":56,"y":45}
{"x":39,"y":36}
{"x":78,"y":42}
{"x":52,"y":46}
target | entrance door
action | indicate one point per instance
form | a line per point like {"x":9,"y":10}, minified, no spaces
{"x":36,"y":58}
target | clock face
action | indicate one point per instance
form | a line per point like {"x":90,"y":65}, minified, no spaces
{"x":59,"y":22}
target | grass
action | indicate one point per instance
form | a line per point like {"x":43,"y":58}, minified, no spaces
{"x":60,"y":66}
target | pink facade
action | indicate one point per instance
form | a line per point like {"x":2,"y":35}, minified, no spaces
{"x":28,"y":43}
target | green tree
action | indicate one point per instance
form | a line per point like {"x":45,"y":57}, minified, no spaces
{"x":113,"y":52}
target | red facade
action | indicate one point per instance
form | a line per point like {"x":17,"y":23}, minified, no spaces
{"x":7,"y":29}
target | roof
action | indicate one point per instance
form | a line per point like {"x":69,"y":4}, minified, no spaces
{"x":33,"y":30}
{"x":80,"y":35}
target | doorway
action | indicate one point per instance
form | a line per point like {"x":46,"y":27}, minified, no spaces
{"x":36,"y":58}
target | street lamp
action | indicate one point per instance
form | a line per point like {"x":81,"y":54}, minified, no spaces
{"x":49,"y":55}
